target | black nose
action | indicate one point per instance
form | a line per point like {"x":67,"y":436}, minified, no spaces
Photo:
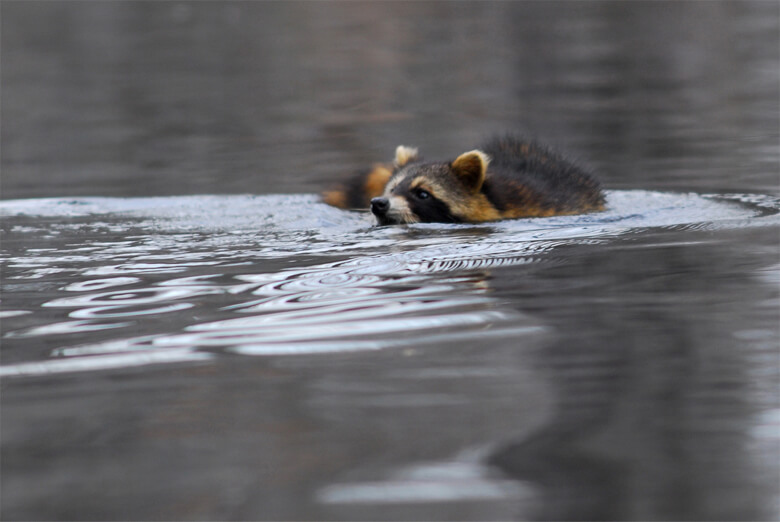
{"x":380,"y":206}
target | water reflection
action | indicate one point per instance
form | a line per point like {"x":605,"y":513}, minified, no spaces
{"x":652,"y":399}
{"x":396,"y":290}
{"x":130,"y":97}
{"x":591,"y":388}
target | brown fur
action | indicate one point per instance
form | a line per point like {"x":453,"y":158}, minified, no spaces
{"x":362,"y":188}
{"x":335,"y":198}
{"x":508,"y":178}
{"x":377,"y":180}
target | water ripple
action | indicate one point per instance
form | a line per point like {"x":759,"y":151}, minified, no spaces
{"x":285,"y":275}
{"x":139,"y":296}
{"x":100,"y":284}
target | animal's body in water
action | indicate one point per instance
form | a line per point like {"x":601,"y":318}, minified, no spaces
{"x":505,"y":178}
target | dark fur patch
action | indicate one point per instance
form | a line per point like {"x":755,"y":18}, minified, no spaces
{"x":526,"y":174}
{"x":431,"y":210}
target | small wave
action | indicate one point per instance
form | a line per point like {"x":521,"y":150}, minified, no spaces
{"x":243,"y":263}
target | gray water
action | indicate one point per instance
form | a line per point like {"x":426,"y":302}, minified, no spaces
{"x":188,"y":333}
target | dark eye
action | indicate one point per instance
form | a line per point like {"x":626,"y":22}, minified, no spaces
{"x":422,"y":194}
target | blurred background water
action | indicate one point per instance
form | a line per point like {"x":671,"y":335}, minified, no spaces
{"x":187,"y":333}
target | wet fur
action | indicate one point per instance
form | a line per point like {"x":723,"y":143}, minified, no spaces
{"x":357,"y":192}
{"x":506,"y":178}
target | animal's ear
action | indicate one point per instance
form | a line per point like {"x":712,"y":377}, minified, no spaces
{"x":404,"y":155}
{"x":470,"y":168}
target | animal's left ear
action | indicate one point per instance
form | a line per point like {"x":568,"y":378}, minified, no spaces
{"x":404,"y":155}
{"x":470,"y":168}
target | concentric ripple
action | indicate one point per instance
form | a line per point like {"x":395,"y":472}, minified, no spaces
{"x":192,"y":278}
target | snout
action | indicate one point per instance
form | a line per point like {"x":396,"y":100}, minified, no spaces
{"x":392,"y":211}
{"x":380,"y":206}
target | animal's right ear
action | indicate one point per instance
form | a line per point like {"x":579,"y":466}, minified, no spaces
{"x":404,"y":155}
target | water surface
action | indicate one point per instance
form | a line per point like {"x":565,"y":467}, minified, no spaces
{"x":466,"y":317}
{"x":188,"y":333}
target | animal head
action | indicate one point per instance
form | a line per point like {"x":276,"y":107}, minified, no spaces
{"x":421,"y":192}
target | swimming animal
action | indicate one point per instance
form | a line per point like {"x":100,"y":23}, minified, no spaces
{"x":506,"y":177}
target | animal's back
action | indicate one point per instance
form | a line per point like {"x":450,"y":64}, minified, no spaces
{"x":526,"y":179}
